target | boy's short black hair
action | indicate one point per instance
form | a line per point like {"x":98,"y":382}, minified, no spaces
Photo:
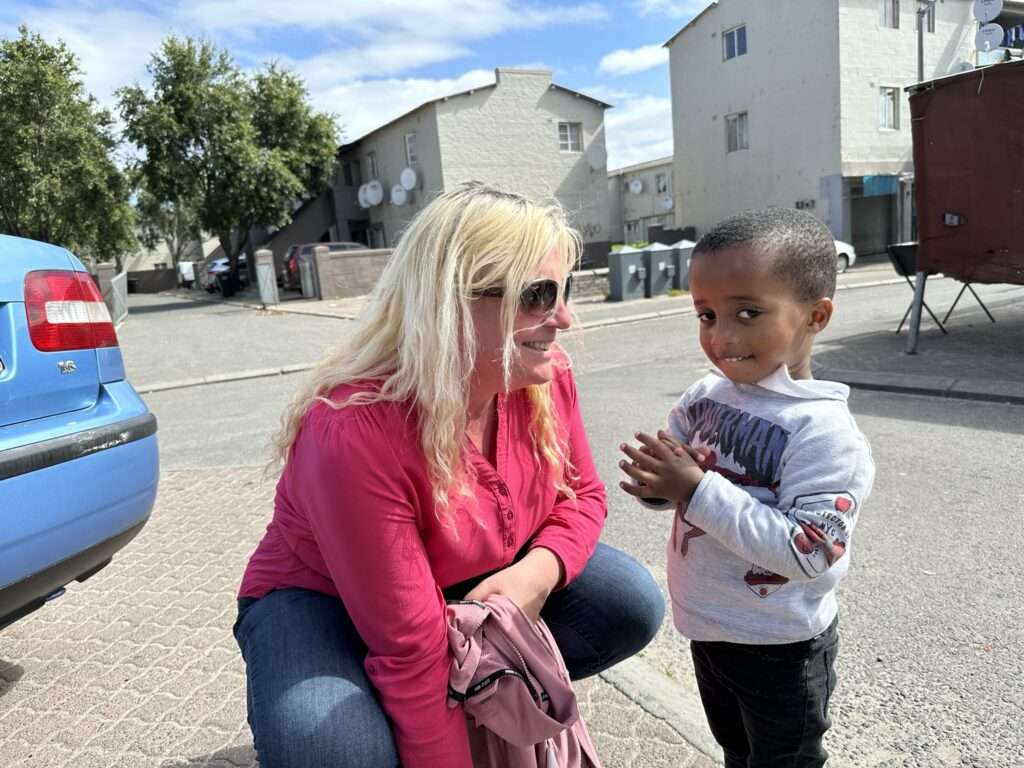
{"x":801,"y":247}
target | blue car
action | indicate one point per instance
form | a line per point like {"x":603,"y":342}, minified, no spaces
{"x":78,"y":452}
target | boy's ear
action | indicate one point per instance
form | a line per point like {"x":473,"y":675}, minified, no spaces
{"x":820,"y":314}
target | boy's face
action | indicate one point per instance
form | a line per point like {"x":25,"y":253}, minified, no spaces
{"x":751,"y":320}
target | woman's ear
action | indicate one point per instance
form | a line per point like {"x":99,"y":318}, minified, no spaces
{"x":820,"y":314}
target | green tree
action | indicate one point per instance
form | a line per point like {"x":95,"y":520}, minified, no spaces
{"x":175,"y":224}
{"x":58,"y":180}
{"x":244,"y":149}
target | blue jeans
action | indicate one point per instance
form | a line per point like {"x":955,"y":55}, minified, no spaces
{"x":310,"y":703}
{"x":767,"y":705}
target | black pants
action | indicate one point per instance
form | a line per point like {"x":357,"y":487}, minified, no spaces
{"x":767,"y":705}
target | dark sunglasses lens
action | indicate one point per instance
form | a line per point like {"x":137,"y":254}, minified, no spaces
{"x":539,"y":298}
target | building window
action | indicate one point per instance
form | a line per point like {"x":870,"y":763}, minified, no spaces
{"x":411,"y":158}
{"x":347,"y":172}
{"x":734,"y":42}
{"x":570,"y":137}
{"x":736,"y":132}
{"x":889,"y":108}
{"x":371,"y":165}
{"x":661,"y":183}
{"x":890,"y":14}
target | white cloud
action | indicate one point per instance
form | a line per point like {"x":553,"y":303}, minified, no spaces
{"x":87,"y":32}
{"x":355,"y":47}
{"x":446,"y":19}
{"x":638,"y":130}
{"x":626,"y":61}
{"x":364,"y":105}
{"x":673,"y":9}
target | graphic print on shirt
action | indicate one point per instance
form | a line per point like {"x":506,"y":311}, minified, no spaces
{"x":822,"y":529}
{"x":754,"y":446}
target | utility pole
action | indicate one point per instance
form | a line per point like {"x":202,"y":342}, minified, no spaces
{"x":923,"y":6}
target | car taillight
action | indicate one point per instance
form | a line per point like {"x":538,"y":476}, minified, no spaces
{"x":66,"y":311}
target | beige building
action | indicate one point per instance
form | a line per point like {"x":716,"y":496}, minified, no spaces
{"x":801,"y":104}
{"x":523,"y":133}
{"x":639,"y":197}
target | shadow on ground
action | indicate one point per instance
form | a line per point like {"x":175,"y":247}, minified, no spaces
{"x":9,"y":675}
{"x":233,"y":756}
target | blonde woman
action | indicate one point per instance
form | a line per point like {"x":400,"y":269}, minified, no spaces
{"x":438,"y":452}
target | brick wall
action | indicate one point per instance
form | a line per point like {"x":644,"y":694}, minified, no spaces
{"x":350,"y":273}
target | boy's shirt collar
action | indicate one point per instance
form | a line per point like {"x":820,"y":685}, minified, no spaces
{"x":781,"y":383}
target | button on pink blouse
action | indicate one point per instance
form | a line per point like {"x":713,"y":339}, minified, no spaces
{"x":354,"y":517}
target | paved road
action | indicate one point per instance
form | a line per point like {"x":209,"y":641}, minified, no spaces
{"x":136,"y":668}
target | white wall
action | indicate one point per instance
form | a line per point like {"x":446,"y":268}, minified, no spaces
{"x":389,"y":145}
{"x":788,"y":83}
{"x":645,"y":208}
{"x":508,"y":135}
{"x":872,"y":56}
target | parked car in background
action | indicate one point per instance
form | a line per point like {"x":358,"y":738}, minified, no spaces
{"x":845,"y":255}
{"x":222,"y":266}
{"x":78,"y":450}
{"x":300,"y":252}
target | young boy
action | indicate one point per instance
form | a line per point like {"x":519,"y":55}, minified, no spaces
{"x":768,"y":472}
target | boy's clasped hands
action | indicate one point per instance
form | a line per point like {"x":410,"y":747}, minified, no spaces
{"x":662,"y":467}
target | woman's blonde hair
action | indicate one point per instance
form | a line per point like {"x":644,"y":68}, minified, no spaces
{"x":415,"y":337}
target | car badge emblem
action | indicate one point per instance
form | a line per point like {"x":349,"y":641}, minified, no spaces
{"x":66,"y":366}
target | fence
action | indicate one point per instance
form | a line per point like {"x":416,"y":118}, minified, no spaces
{"x":117,"y":299}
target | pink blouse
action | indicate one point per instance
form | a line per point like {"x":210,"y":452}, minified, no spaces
{"x":354,"y":517}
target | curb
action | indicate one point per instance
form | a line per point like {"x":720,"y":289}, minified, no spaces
{"x":664,"y":700}
{"x":222,"y":378}
{"x":921,"y":384}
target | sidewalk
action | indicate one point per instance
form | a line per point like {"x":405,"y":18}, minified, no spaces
{"x":975,"y":360}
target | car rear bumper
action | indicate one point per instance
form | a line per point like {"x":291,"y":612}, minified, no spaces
{"x":48,"y":453}
{"x":68,"y":503}
{"x":22,"y":597}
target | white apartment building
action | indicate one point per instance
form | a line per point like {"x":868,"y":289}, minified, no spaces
{"x":801,"y":104}
{"x":639,"y":197}
{"x":523,"y":133}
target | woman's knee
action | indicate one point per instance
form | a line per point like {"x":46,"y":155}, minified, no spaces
{"x":314,"y":725}
{"x":638,"y":602}
{"x":309,"y":700}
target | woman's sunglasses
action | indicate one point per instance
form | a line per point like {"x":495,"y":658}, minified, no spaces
{"x":539,"y":298}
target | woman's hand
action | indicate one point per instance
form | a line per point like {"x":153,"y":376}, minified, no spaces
{"x":526,"y":583}
{"x":662,"y":468}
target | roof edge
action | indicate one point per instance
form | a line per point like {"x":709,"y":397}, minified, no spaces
{"x":690,"y":23}
{"x":646,"y":164}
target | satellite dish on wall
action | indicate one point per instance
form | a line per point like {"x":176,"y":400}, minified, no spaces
{"x":988,"y":38}
{"x":986,"y":10}
{"x":399,"y":196}
{"x":374,"y":192}
{"x":597,"y":157}
{"x":361,"y":195}
{"x":408,"y":179}
{"x":961,"y":66}
{"x":636,"y":186}
{"x":665,"y":202}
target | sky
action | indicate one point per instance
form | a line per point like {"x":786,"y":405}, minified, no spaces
{"x":369,"y":61}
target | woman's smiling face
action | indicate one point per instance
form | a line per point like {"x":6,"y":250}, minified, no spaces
{"x":535,"y":356}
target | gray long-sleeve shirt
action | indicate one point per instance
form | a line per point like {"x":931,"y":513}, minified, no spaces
{"x":756,"y":554}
